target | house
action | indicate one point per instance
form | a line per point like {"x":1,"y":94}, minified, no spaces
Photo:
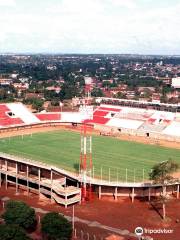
{"x":5,"y":81}
{"x":156,"y":97}
{"x":109,"y":80}
{"x":130,"y":94}
{"x":174,"y":94}
{"x":165,"y":80}
{"x":53,"y":88}
{"x":21,"y":86}
{"x":34,"y":95}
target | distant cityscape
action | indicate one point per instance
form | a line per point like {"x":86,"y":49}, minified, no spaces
{"x":44,"y":79}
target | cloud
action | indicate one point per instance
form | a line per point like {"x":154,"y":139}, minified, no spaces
{"x":124,"y":3}
{"x":77,"y":7}
{"x":90,"y":26}
{"x":7,"y":3}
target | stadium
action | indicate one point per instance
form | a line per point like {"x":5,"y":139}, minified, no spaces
{"x":119,"y":140}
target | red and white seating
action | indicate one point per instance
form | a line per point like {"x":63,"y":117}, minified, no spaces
{"x":48,"y":116}
{"x":173,"y":129}
{"x":98,"y":113}
{"x":147,"y":120}
{"x":97,"y":120}
{"x":12,"y":114}
{"x":124,"y":123}
{"x":75,"y":117}
{"x":7,"y":117}
{"x":23,"y":113}
{"x":103,"y":114}
{"x":109,"y":109}
{"x":161,"y":117}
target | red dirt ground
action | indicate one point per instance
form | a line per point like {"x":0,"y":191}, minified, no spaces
{"x":121,"y":214}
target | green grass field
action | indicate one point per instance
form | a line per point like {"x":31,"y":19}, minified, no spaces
{"x":113,"y":156}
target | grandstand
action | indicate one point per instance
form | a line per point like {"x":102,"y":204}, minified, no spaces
{"x":125,"y":119}
{"x":13,"y":114}
{"x":143,"y":121}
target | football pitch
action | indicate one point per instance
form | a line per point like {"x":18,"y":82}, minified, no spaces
{"x":113,"y":159}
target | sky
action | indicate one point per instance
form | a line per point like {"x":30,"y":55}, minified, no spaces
{"x":90,"y":26}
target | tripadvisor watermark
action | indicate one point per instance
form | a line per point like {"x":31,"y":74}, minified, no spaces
{"x":139,"y":231}
{"x":158,"y":231}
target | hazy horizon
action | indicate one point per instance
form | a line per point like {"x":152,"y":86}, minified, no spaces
{"x":77,"y":53}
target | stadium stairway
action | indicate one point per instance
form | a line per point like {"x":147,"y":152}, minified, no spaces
{"x":23,"y":113}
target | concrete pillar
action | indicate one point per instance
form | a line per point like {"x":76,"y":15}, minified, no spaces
{"x":6,"y":181}
{"x":177,"y":191}
{"x":164,"y":190}
{"x":27,"y":176}
{"x":51,"y":183}
{"x":16,"y":177}
{"x":80,"y":196}
{"x":142,"y":192}
{"x":132,"y":196}
{"x":16,"y":168}
{"x":65,"y":181}
{"x":149,"y":195}
{"x":99,"y":192}
{"x":39,"y":176}
{"x":6,"y":165}
{"x":65,"y":201}
{"x":115,"y":194}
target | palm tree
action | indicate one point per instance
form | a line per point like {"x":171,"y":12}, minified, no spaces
{"x":162,"y":174}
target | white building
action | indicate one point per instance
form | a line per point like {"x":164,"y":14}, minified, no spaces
{"x":176,"y":82}
{"x":14,"y":75}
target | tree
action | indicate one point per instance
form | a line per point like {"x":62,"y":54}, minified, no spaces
{"x":120,"y":95}
{"x":19,"y":213}
{"x":12,"y":232}
{"x":97,"y":92}
{"x":162,"y":173}
{"x":106,"y":84}
{"x":36,"y":103}
{"x":69,"y":91}
{"x":56,"y":227}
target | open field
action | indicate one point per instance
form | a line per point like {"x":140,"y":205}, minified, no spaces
{"x":112,"y":158}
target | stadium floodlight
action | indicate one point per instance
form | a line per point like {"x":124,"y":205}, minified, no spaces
{"x":86,"y":160}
